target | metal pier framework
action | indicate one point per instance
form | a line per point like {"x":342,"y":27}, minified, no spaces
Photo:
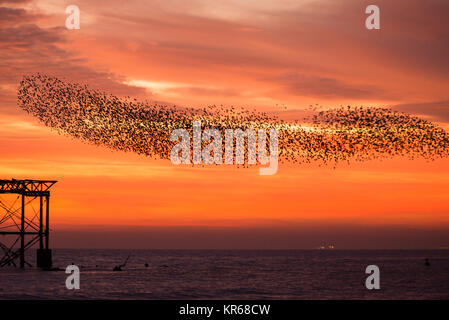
{"x":17,"y":224}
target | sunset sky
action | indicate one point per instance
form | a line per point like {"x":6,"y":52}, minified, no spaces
{"x":275,"y":56}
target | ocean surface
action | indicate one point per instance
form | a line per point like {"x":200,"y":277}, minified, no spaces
{"x":234,"y":274}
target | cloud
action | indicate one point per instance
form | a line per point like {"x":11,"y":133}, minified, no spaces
{"x":438,"y":110}
{"x":314,"y":49}
{"x":14,"y":1}
{"x":326,"y":87}
{"x":11,"y":16}
{"x":27,"y":48}
{"x":28,"y":37}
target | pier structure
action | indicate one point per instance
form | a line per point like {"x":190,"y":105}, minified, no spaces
{"x":22,"y":228}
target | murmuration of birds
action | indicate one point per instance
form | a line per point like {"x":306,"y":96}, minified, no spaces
{"x":328,"y":137}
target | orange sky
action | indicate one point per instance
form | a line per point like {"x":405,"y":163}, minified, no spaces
{"x":263,"y":54}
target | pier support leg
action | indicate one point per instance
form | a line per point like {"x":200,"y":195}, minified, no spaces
{"x":43,"y":255}
{"x":22,"y":235}
{"x":44,"y":259}
{"x":41,"y":223}
{"x":47,"y":222}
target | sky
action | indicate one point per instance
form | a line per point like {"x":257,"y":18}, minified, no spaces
{"x":275,"y":56}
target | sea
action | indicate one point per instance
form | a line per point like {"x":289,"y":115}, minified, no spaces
{"x":233,"y":274}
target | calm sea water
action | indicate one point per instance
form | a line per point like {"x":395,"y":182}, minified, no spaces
{"x":234,"y":274}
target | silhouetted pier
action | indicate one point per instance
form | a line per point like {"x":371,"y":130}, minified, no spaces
{"x":14,"y":221}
